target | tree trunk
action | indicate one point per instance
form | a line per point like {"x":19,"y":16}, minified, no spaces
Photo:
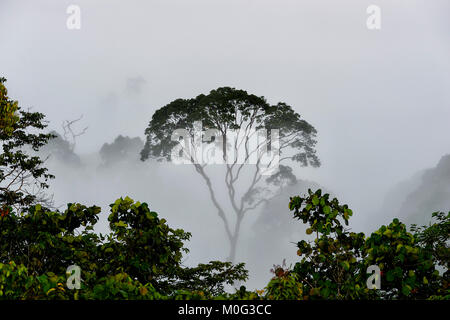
{"x":234,"y":239}
{"x":233,"y":245}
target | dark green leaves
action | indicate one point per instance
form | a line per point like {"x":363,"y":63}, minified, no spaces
{"x":141,"y":249}
{"x":337,"y":260}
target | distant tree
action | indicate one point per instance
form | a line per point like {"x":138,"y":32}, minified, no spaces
{"x":225,"y":110}
{"x":69,"y":133}
{"x":62,"y":146}
{"x":22,"y":176}
{"x":123,"y":148}
{"x":60,"y":149}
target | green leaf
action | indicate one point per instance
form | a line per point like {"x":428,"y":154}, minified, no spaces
{"x":390,"y":276}
{"x":315,"y":200}
{"x":406,"y":290}
{"x":387,"y":233}
{"x":121,"y":224}
{"x":346,"y":265}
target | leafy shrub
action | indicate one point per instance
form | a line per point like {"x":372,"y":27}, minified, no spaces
{"x":334,"y":264}
{"x":139,"y":259}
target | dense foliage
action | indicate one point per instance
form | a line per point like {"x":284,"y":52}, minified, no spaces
{"x":141,"y":257}
{"x":141,"y":251}
{"x":334,"y":265}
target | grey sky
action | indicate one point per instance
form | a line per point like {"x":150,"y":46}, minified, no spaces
{"x":379,"y":99}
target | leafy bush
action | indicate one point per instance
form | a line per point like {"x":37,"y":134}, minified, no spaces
{"x":334,"y":265}
{"x":140,"y":258}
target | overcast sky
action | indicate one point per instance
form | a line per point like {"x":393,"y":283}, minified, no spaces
{"x":379,"y":99}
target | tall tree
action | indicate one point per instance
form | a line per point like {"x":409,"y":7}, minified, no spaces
{"x":22,"y":176}
{"x":233,"y":118}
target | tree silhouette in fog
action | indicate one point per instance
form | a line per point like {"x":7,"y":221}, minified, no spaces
{"x":123,"y":148}
{"x":228,"y":110}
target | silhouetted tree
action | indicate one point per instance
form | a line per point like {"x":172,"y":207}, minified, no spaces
{"x":69,"y":133}
{"x":227,"y":111}
{"x":123,"y":148}
{"x":60,"y":149}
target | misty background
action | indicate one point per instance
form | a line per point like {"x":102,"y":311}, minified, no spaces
{"x":379,"y":99}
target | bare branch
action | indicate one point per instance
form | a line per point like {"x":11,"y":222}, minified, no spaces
{"x":67,"y":129}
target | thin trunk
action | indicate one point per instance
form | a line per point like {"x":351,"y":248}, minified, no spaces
{"x":234,"y":239}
